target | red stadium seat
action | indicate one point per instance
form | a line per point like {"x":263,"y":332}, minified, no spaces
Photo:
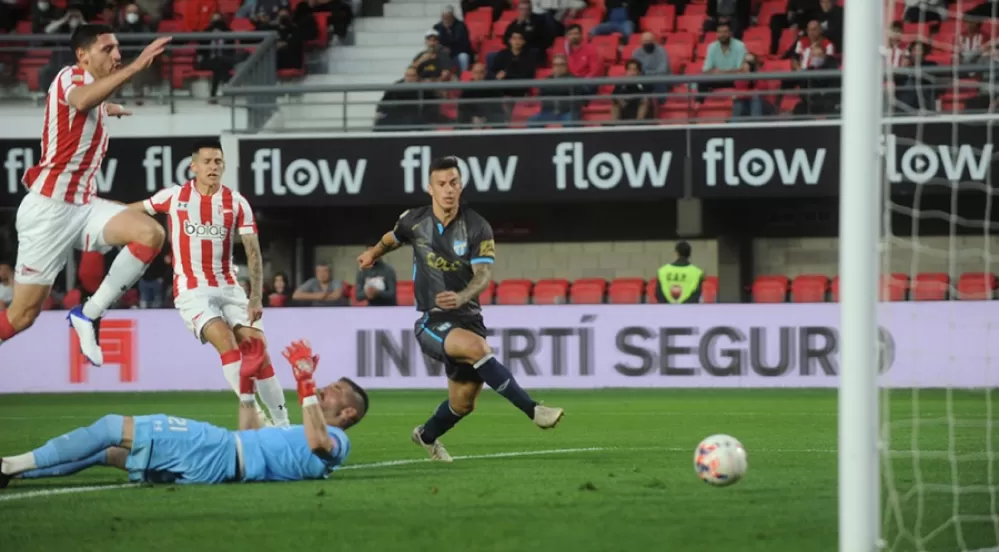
{"x":930,"y":286}
{"x":709,"y":290}
{"x":404,"y":293}
{"x":809,"y":288}
{"x":976,"y":286}
{"x":894,"y":287}
{"x":588,"y":291}
{"x":513,"y":292}
{"x":770,"y":289}
{"x":626,"y":291}
{"x":487,"y":296}
{"x":277,"y":300}
{"x":550,"y":292}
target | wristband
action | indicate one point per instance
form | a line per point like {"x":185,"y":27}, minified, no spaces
{"x":306,"y":389}
{"x":310,"y":401}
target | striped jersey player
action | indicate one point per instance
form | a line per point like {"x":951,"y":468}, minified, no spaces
{"x":204,"y":219}
{"x":61,"y":211}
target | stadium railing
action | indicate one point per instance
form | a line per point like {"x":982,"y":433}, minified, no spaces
{"x":36,"y":58}
{"x":334,"y":108}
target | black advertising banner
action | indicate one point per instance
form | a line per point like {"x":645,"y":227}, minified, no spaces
{"x":499,"y":167}
{"x":601,"y":164}
{"x":133,"y":169}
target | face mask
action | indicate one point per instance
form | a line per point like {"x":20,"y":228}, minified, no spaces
{"x":44,"y":6}
{"x":649,"y":48}
{"x":132,"y":18}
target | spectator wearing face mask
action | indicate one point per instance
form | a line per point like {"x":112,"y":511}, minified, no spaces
{"x":653,"y":60}
{"x":215,"y":56}
{"x":43,"y":13}
{"x":132,"y":23}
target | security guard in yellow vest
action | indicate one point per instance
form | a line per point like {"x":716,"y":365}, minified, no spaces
{"x":680,"y":281}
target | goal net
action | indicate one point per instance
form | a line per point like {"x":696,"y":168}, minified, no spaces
{"x":939,"y":467}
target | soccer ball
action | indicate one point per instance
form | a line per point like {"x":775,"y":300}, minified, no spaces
{"x":720,"y":460}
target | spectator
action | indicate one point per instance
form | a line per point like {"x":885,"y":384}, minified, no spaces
{"x":266,"y":13}
{"x":497,"y":7}
{"x":6,"y":285}
{"x":304,"y":19}
{"x":43,"y":13}
{"x":66,"y":24}
{"x":917,"y":91}
{"x":793,"y":16}
{"x":216,"y":58}
{"x":819,"y":100}
{"x":584,"y":61}
{"x":290,"y":46}
{"x":971,"y":44}
{"x":513,"y":63}
{"x":483,"y":112}
{"x":341,"y":16}
{"x":895,"y":53}
{"x":322,"y":290}
{"x":280,"y":294}
{"x":653,"y":60}
{"x":132,"y":23}
{"x":680,"y":281}
{"x":563,"y":108}
{"x":453,"y":35}
{"x":752,"y":105}
{"x":434,"y":61}
{"x":618,"y":20}
{"x":152,"y":285}
{"x":61,"y":57}
{"x":625,"y":106}
{"x":830,"y":17}
{"x":376,"y":285}
{"x":534,"y":29}
{"x":725,"y":56}
{"x":803,"y":49}
{"x":928,"y":11}
{"x":735,"y":12}
{"x":198,"y":14}
{"x":391,"y":114}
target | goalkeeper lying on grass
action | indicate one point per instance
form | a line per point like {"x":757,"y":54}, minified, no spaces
{"x":168,"y":449}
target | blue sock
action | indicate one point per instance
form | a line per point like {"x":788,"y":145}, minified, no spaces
{"x":443,"y":419}
{"x":502,"y":381}
{"x":80,"y":443}
{"x":99,"y":458}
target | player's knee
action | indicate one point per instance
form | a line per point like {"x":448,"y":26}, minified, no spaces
{"x":478,"y":350}
{"x":147,"y":244}
{"x":462,"y":406}
{"x":151,"y":235}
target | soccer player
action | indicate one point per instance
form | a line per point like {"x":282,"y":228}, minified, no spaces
{"x":204,"y":219}
{"x":61,"y":211}
{"x":453,"y":254}
{"x":169,"y":449}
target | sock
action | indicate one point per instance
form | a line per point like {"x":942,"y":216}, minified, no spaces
{"x":74,"y":446}
{"x":442,"y":420}
{"x":6,"y":330}
{"x":125,"y":271}
{"x":272,"y":394}
{"x":99,"y":458}
{"x":231,"y":361}
{"x":501,"y":380}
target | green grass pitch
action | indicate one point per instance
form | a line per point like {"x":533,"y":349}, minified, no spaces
{"x":617,"y":475}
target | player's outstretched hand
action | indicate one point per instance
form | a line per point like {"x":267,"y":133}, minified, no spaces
{"x":151,"y":52}
{"x":303,"y":362}
{"x":366,"y":260}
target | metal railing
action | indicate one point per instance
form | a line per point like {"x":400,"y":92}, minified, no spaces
{"x":680,"y":98}
{"x":253,"y":55}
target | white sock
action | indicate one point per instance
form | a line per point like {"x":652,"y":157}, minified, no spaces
{"x":273,"y":396}
{"x":14,"y":465}
{"x":231,"y":372}
{"x":125,"y":271}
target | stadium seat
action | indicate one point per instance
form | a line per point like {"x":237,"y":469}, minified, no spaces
{"x":657,"y":25}
{"x":770,"y":289}
{"x":404,"y":293}
{"x":277,"y":300}
{"x":550,"y":292}
{"x":809,"y":288}
{"x":894,"y":287}
{"x":626,"y":291}
{"x":930,"y":286}
{"x":487,"y":296}
{"x":709,"y":290}
{"x":976,"y":286}
{"x":513,"y":292}
{"x":588,"y":291}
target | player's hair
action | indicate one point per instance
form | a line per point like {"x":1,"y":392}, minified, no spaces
{"x":206,"y":143}
{"x":85,"y":35}
{"x":683,"y":249}
{"x":444,"y":164}
{"x":359,"y":390}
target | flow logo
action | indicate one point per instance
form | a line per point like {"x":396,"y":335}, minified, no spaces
{"x":302,"y":177}
{"x":920,"y":163}
{"x":758,"y":167}
{"x":18,"y":160}
{"x":485,"y":176}
{"x":606,"y":171}
{"x":161,"y":171}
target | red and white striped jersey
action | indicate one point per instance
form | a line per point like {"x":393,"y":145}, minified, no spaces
{"x":73,"y":143}
{"x":202,"y":229}
{"x":804,"y":50}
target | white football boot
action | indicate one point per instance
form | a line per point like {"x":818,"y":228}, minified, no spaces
{"x":436,"y":450}
{"x":547,"y":417}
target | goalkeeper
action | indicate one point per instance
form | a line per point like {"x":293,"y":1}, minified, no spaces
{"x":168,"y":449}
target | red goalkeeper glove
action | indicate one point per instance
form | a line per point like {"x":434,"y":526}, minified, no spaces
{"x":303,"y":364}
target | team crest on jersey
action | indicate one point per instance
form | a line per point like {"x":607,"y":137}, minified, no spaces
{"x":460,"y":247}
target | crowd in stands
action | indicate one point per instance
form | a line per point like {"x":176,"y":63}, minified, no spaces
{"x":569,"y":40}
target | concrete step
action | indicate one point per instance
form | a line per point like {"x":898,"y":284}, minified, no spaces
{"x":403,"y":9}
{"x":399,"y":38}
{"x":364,"y":53}
{"x":396,"y":24}
{"x":367,"y":67}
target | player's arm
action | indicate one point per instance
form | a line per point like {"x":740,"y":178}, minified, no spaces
{"x":399,"y":236}
{"x":157,"y":204}
{"x":303,"y":364}
{"x":248,"y":418}
{"x":247,"y":227}
{"x":483,"y":257}
{"x":84,"y":97}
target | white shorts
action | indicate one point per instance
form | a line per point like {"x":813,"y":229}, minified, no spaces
{"x":200,"y":306}
{"x":48,"y":230}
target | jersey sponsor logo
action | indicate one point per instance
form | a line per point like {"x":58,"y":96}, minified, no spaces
{"x":487,"y":248}
{"x":205,"y":231}
{"x":676,"y":291}
{"x":460,"y":247}
{"x":441,"y":328}
{"x":435,"y":261}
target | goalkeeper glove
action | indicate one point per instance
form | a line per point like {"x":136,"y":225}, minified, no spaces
{"x":303,"y":364}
